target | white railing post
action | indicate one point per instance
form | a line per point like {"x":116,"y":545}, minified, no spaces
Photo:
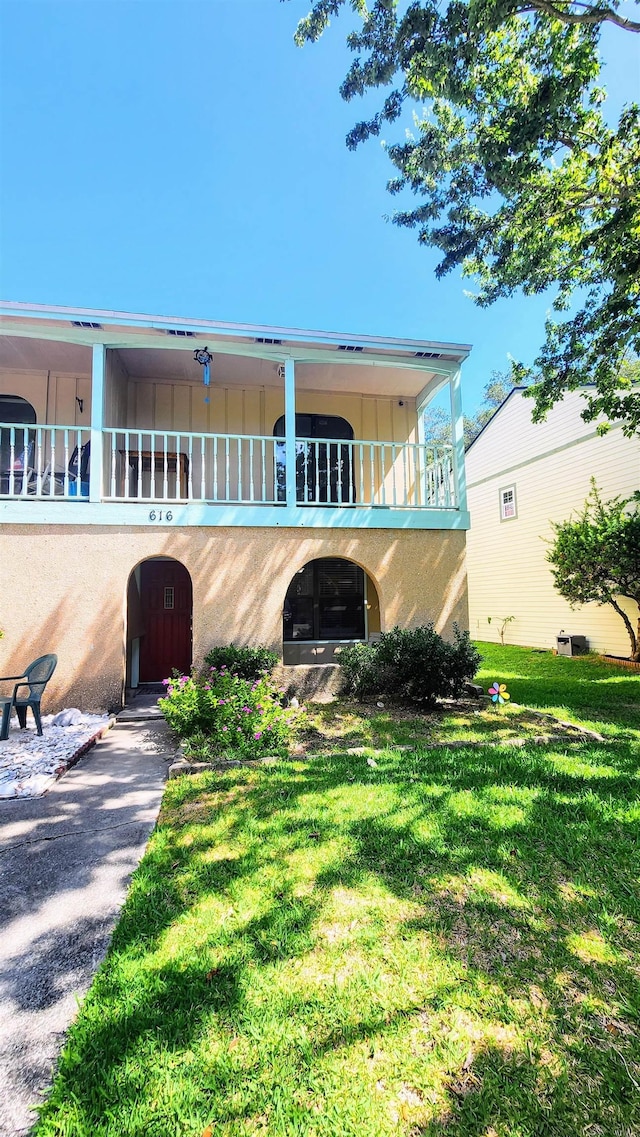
{"x":457,"y":425}
{"x":290,"y":431}
{"x":97,"y":421}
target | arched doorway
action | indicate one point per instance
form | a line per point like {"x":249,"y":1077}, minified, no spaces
{"x":159,"y":618}
{"x":330,"y":602}
{"x":324,"y":469}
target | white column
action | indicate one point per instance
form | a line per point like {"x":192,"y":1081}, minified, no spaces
{"x":97,"y":420}
{"x":457,"y":428}
{"x":290,"y":430}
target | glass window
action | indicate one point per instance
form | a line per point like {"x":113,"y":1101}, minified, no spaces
{"x":508,"y":503}
{"x":325,"y":601}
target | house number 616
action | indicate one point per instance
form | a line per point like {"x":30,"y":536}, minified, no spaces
{"x":159,"y":515}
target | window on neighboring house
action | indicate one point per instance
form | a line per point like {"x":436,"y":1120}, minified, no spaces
{"x":508,"y":507}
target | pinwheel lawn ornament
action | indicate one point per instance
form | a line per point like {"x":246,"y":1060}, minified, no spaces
{"x":499,"y":693}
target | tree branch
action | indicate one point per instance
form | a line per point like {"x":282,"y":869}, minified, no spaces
{"x":592,"y":15}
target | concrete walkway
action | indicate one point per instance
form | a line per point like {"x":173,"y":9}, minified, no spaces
{"x":65,"y":864}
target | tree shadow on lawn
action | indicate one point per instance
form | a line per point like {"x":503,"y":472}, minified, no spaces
{"x":587,"y":686}
{"x":491,"y":892}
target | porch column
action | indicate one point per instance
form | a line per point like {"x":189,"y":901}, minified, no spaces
{"x":457,"y":433}
{"x":97,"y":420}
{"x":290,"y":431}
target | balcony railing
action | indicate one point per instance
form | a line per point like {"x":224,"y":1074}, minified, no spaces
{"x":377,"y":475}
{"x":43,"y":461}
{"x":231,"y":469}
{"x":46,"y":462}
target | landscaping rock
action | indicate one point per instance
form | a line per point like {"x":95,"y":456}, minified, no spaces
{"x":179,"y":767}
{"x":474,"y":690}
{"x":31,"y":763}
{"x":183,"y":766}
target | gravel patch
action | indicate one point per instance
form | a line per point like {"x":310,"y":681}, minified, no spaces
{"x":29,"y":764}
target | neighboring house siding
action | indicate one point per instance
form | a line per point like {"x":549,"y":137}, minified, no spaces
{"x":550,"y":465}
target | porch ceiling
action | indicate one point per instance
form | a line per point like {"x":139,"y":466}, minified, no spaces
{"x":25,"y":354}
{"x":365,"y":377}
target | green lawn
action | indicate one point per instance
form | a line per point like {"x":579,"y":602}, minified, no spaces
{"x":442,"y":943}
{"x":584,"y":689}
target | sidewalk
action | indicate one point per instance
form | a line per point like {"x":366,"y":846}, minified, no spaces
{"x":65,"y":864}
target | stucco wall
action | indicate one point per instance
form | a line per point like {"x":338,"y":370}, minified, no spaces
{"x":64,"y":590}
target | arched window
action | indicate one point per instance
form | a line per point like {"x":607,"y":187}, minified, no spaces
{"x":326,"y":600}
{"x":324,"y":470}
{"x":13,"y":408}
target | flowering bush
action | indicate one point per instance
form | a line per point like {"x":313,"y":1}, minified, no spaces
{"x":223,"y":714}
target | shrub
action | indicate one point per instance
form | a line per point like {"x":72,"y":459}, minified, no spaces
{"x":246,"y":662}
{"x":223,"y":714}
{"x":410,"y":665}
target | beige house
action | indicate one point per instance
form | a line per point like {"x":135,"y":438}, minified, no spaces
{"x":521,"y":477}
{"x":146,"y":516}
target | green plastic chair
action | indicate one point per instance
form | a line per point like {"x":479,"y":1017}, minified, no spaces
{"x":35,"y":677}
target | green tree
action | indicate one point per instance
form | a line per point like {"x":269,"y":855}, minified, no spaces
{"x":596,"y":557}
{"x":521,"y":182}
{"x":437,"y":421}
{"x":494,"y":394}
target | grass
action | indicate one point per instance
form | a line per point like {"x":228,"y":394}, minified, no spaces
{"x":443,"y":944}
{"x":583,"y":689}
{"x":355,"y":725}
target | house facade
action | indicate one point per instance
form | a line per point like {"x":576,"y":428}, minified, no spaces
{"x":522,"y":477}
{"x":146,"y":516}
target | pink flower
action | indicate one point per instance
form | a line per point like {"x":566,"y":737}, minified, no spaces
{"x":221,"y":702}
{"x":225,"y":728}
{"x":258,"y":734}
{"x":166,"y":682}
{"x":247,"y":710}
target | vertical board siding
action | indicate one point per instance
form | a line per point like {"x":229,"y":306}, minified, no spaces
{"x":162,"y":405}
{"x":30,"y":385}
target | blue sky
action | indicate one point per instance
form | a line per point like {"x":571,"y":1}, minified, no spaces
{"x":185,"y":158}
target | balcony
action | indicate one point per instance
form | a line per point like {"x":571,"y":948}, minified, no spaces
{"x":52,"y":464}
{"x":289,"y":428}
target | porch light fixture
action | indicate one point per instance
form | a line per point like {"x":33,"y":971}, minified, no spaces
{"x":204,"y":357}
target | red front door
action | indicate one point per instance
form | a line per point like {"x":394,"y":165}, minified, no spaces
{"x":166,"y":603}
